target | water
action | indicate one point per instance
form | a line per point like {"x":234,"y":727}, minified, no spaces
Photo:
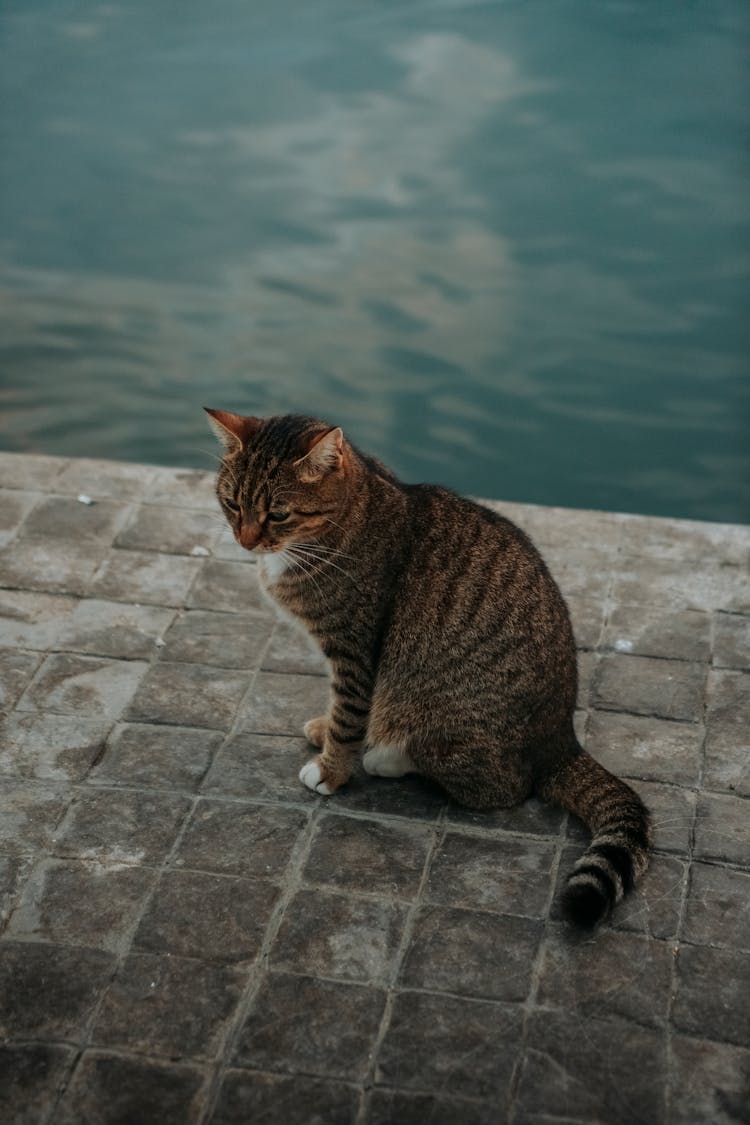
{"x":505,"y":245}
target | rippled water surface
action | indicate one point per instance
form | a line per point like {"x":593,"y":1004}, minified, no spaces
{"x":505,"y":245}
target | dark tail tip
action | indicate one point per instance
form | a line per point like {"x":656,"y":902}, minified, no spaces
{"x":585,"y":904}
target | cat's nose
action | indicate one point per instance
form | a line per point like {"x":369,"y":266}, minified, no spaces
{"x":249,"y":536}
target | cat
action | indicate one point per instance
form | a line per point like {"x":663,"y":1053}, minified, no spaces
{"x":449,"y":643}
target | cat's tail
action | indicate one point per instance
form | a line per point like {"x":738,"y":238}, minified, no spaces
{"x":619,"y":823}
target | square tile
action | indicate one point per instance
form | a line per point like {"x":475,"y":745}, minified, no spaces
{"x":16,"y":670}
{"x":182,"y":488}
{"x":368,"y":855}
{"x":709,"y":1081}
{"x":224,"y":640}
{"x":718,"y":893}
{"x":23,"y":470}
{"x":263,"y":767}
{"x":33,"y":620}
{"x":587,"y":616}
{"x":732,"y":641}
{"x":282,"y":704}
{"x":118,"y":480}
{"x":168,"y":1006}
{"x":645,"y":747}
{"x":66,"y":567}
{"x":29,"y":814}
{"x":49,"y":991}
{"x":466,"y":1046}
{"x":87,"y":904}
{"x":488,"y":956}
{"x":671,"y":633}
{"x":95,"y":686}
{"x":211,"y":917}
{"x":170,"y":531}
{"x":14,"y":507}
{"x":293,"y":650}
{"x":145,"y":576}
{"x":228,"y":587}
{"x":30,"y":1077}
{"x":57,"y":519}
{"x":111,"y":1089}
{"x":413,"y":797}
{"x":507,"y":876}
{"x":190,"y":695}
{"x":125,"y":632}
{"x":52,"y":747}
{"x":235,"y":839}
{"x":712,"y":990}
{"x":252,"y":1096}
{"x":598,"y":1070}
{"x":14,"y":871}
{"x":669,"y":689}
{"x":722,"y":828}
{"x":672,"y":815}
{"x":611,"y":974}
{"x":118,"y":826}
{"x":390,"y":1106}
{"x":337,"y":936}
{"x":336,"y":1043}
{"x":162,"y":757}
{"x":728,"y":732}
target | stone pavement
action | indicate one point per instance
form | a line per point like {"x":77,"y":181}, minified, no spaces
{"x":188,"y":935}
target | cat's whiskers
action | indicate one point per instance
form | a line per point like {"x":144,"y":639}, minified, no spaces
{"x":321,"y":560}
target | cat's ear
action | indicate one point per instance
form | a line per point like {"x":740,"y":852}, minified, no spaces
{"x":325,"y":454}
{"x":233,"y":430}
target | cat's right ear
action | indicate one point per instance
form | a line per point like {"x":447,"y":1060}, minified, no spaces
{"x":234,"y":431}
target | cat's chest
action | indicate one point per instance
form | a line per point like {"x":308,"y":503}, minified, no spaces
{"x":272,"y":567}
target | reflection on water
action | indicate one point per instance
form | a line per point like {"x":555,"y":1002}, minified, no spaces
{"x":505,"y":245}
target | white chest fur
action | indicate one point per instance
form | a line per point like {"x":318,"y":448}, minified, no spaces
{"x":272,"y":566}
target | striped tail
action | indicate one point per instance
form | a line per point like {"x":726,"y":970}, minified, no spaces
{"x":620,"y":827}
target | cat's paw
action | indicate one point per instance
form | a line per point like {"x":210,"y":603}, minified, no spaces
{"x":312,"y":775}
{"x":387,"y":761}
{"x":315,"y":730}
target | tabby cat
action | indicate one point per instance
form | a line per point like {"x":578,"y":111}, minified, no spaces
{"x":450,"y":646}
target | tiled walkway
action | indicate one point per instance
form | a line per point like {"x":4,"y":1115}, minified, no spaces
{"x":188,"y":935}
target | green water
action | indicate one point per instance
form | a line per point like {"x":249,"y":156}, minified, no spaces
{"x":505,"y":245}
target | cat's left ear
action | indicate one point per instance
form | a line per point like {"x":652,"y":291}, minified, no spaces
{"x":324,"y":456}
{"x":233,"y":430}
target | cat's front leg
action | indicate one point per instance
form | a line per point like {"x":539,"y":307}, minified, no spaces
{"x":340,"y":734}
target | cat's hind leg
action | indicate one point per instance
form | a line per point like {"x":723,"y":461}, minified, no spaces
{"x":387,"y":761}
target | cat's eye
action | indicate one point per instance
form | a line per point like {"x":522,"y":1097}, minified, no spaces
{"x":277,"y":516}
{"x":232,"y":505}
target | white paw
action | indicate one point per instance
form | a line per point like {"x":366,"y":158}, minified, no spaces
{"x":387,"y":761}
{"x":310,"y":776}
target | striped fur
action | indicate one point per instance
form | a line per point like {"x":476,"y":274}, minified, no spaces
{"x":447,"y":638}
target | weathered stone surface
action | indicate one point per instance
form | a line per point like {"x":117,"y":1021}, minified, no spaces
{"x":53,"y":747}
{"x":211,"y":917}
{"x":466,"y":1046}
{"x":336,"y":936}
{"x":336,"y":1043}
{"x":161,"y":757}
{"x":238,"y":839}
{"x":255,"y":1096}
{"x":600,"y":1070}
{"x":145,"y":576}
{"x":114,"y":826}
{"x":282,"y":704}
{"x":171,"y":531}
{"x":488,"y":956}
{"x":712,"y":986}
{"x":367,"y":855}
{"x":644,"y":747}
{"x":87,"y":904}
{"x":507,"y":876}
{"x":668,"y":689}
{"x":728,"y":732}
{"x":194,"y":695}
{"x":709,"y":1082}
{"x":168,"y":1006}
{"x":224,"y":640}
{"x":228,"y":587}
{"x":722,"y":828}
{"x":112,"y":1089}
{"x":32,"y":620}
{"x":718,"y":907}
{"x":49,"y":991}
{"x":72,"y":685}
{"x":731,"y":641}
{"x":124,"y":632}
{"x":170,"y":890}
{"x":675,"y":634}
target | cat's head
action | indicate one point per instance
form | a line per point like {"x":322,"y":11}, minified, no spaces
{"x":281,"y":480}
